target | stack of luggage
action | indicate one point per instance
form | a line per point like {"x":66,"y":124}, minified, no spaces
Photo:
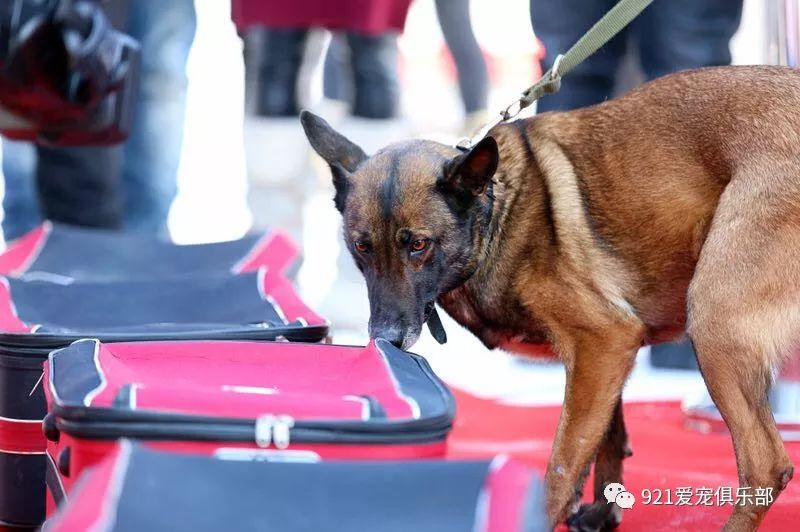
{"x":150,"y":386}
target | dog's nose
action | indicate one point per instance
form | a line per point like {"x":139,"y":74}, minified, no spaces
{"x":398,"y":343}
{"x":393,"y":335}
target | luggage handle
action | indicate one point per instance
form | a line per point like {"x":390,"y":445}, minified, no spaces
{"x":266,"y":455}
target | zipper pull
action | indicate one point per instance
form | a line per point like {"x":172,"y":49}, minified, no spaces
{"x":264,"y":430}
{"x":281,"y":431}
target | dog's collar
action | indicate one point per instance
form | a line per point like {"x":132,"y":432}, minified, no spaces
{"x":433,"y":320}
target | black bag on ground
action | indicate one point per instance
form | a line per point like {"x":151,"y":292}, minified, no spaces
{"x":52,"y":251}
{"x":138,"y":489}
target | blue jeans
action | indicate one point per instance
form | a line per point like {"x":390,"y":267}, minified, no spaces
{"x":20,"y":204}
{"x":149,"y":158}
{"x":670,"y":35}
{"x":165,"y":31}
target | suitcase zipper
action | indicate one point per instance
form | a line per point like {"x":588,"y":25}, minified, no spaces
{"x":271,"y":429}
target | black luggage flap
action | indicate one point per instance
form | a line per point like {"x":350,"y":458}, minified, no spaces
{"x":155,"y":491}
{"x":258,"y":305}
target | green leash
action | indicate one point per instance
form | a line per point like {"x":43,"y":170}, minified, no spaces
{"x":603,"y":31}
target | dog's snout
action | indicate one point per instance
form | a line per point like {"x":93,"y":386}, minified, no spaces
{"x":393,"y":335}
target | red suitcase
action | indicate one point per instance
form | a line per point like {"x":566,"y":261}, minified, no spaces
{"x":299,"y":401}
{"x":136,"y":489}
{"x":38,"y":316}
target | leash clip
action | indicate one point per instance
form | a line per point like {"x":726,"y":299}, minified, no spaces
{"x":549,"y":84}
{"x":554,"y":81}
{"x":517,"y":106}
{"x":554,"y":75}
{"x":466,"y":143}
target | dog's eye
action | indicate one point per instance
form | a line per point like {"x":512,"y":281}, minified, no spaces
{"x":421,"y":244}
{"x":360,"y":246}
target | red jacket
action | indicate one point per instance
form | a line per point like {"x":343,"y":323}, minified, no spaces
{"x":362,"y":16}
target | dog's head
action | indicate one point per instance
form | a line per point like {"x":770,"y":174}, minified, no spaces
{"x":415,"y":214}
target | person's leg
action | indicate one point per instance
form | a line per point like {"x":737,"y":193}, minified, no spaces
{"x":682,"y":34}
{"x":80,"y":186}
{"x":336,"y":73}
{"x":20,"y":205}
{"x":559,"y":24}
{"x":278,"y":68}
{"x":473,"y":78}
{"x":165,"y":31}
{"x":374,"y":60}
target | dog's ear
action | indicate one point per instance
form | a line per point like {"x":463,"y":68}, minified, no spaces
{"x":342,"y":155}
{"x":472,"y":171}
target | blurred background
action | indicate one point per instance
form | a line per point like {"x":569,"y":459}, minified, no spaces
{"x":243,"y":161}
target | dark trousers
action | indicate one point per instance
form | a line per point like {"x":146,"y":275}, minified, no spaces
{"x":669,"y":35}
{"x":372,"y":62}
{"x":473,"y":77}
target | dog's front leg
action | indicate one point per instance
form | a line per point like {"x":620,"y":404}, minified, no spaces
{"x":614,"y":448}
{"x":597,"y":367}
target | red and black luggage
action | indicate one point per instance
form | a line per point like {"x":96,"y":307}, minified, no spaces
{"x":42,"y":315}
{"x":38,"y":316}
{"x":137,"y":489}
{"x":56,"y":251}
{"x":294,"y":401}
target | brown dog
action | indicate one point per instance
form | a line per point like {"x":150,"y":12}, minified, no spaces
{"x":597,"y":231}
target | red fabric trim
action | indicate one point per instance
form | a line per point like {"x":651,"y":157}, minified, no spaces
{"x":280,"y":289}
{"x":16,"y":258}
{"x":276,"y":250}
{"x":84,"y":516}
{"x":21,"y":436}
{"x":9,"y":321}
{"x":507,"y":486}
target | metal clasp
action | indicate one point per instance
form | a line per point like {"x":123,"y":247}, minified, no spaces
{"x":271,"y":429}
{"x":264,"y":425}
{"x":281,"y":432}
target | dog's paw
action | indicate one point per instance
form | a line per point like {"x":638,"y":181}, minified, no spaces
{"x":595,"y":517}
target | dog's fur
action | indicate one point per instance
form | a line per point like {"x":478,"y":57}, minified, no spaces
{"x":596,"y":231}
